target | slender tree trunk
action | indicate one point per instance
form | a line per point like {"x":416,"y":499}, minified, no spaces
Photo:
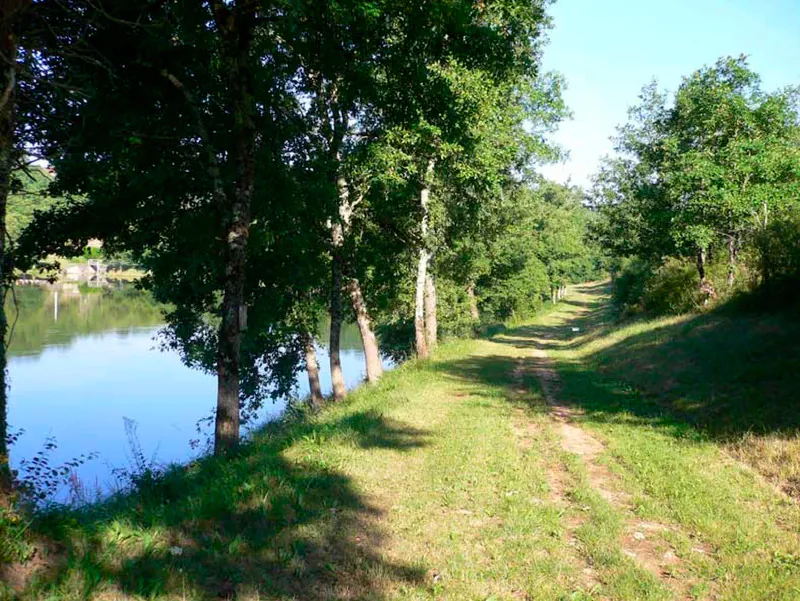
{"x":701,"y":265}
{"x":419,"y":306}
{"x":372,"y":355}
{"x":431,"y":322}
{"x":7,"y":100}
{"x":312,"y":369}
{"x":422,"y":269}
{"x":337,"y":269}
{"x":473,"y":303}
{"x":235,"y":23}
{"x":732,"y":240}
{"x":337,"y":377}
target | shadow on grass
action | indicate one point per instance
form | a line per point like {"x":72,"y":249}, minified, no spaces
{"x":720,"y":374}
{"x":255,"y":526}
{"x":726,"y":372}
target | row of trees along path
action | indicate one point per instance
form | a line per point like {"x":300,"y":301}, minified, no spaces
{"x":269,"y":162}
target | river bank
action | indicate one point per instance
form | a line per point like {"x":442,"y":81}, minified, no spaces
{"x":96,"y":272}
{"x":89,"y":376}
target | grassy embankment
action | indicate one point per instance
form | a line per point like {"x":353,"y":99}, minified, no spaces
{"x":455,"y":480}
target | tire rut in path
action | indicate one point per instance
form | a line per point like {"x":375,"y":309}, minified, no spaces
{"x":637,"y":540}
{"x":524,"y":431}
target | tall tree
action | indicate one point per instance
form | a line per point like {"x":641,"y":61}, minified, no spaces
{"x":704,"y":171}
{"x":168,"y":140}
{"x":12,"y":13}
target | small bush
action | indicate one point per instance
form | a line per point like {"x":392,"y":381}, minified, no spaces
{"x":630,"y":281}
{"x":668,"y":289}
{"x":672,"y":289}
{"x":778,"y":254}
{"x":15,"y":546}
{"x":453,"y":311}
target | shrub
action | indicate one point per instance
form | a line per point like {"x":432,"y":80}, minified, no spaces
{"x":630,"y":280}
{"x":778,"y":254}
{"x":668,"y":289}
{"x":672,"y":289}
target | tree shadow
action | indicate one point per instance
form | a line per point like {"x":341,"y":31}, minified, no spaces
{"x":727,"y":374}
{"x":257,"y":525}
{"x":720,"y":374}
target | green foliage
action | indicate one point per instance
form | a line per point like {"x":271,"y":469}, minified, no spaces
{"x":31,"y":196}
{"x":668,"y":289}
{"x":529,"y":240}
{"x":702,"y":176}
{"x":453,"y":310}
{"x":359,"y":92}
{"x":15,"y":545}
{"x":541,"y":243}
{"x":630,"y":282}
{"x":777,"y":249}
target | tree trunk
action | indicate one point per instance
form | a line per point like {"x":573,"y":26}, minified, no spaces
{"x":707,"y":291}
{"x":7,"y":105}
{"x":312,"y":369}
{"x":372,"y":354}
{"x":731,"y":260}
{"x":701,"y":265}
{"x":419,"y":306}
{"x":235,"y":24}
{"x":337,"y":377}
{"x":431,"y":323}
{"x":338,"y":230}
{"x":473,"y":303}
{"x":422,"y":269}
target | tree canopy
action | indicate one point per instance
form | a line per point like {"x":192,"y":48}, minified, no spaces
{"x":267,"y":162}
{"x":703,"y":173}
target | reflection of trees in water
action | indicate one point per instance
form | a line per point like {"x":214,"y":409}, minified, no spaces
{"x":57,"y":315}
{"x":351,"y":337}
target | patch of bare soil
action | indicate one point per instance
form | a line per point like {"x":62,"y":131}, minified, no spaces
{"x":45,"y":559}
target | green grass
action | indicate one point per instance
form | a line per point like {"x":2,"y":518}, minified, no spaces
{"x":660,"y":395}
{"x":446,"y":481}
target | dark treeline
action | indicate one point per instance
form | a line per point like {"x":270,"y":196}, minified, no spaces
{"x":703,"y":198}
{"x":268,"y":163}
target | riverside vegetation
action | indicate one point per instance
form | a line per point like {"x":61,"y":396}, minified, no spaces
{"x":267,"y":163}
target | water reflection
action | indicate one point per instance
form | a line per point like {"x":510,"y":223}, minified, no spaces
{"x":82,"y":359}
{"x":47,"y":316}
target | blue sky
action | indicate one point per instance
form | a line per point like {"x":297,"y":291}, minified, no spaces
{"x":609,"y":49}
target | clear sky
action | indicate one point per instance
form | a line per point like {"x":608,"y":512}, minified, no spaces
{"x":609,"y":49}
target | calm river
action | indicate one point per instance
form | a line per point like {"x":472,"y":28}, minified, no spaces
{"x":83,"y":360}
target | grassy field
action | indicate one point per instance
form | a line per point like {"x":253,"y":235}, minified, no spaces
{"x":542,"y":464}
